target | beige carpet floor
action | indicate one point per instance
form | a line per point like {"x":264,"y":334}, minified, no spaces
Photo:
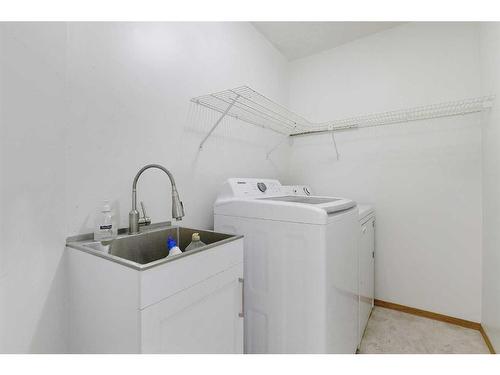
{"x":394,"y":332}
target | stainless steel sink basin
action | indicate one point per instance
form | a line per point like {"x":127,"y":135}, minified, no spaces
{"x":149,"y":247}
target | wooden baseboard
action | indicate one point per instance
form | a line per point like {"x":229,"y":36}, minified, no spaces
{"x":429,"y":314}
{"x":436,"y":316}
{"x":487,"y":340}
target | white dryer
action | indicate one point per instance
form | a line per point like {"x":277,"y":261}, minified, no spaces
{"x":366,"y":265}
{"x":301,"y":266}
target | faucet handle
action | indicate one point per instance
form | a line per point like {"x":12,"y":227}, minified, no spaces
{"x":144,"y":220}
{"x":143,"y":209}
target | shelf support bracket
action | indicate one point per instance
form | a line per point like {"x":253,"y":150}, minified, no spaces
{"x":335,"y":145}
{"x":276,"y":147}
{"x":219,"y":121}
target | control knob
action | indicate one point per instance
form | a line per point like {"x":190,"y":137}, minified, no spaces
{"x":262,"y":186}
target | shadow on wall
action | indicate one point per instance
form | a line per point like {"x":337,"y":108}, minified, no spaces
{"x":52,"y":329}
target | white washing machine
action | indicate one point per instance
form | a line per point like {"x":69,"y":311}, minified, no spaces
{"x":301,"y":266}
{"x":297,"y":189}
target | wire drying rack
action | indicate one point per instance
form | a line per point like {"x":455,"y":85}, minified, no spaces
{"x":250,"y":106}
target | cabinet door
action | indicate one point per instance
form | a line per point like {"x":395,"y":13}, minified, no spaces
{"x":205,"y":318}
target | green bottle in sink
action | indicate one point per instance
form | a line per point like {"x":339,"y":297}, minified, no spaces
{"x":195,"y":242}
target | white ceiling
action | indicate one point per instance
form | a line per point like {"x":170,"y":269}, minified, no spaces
{"x":301,"y":39}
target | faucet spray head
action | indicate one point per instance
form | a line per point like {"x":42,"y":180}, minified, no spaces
{"x":177,"y":206}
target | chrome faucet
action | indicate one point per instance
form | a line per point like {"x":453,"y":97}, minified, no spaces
{"x":134,"y":221}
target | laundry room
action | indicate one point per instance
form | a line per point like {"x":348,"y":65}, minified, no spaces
{"x":230,"y":186}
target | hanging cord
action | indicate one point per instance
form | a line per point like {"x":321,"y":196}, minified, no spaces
{"x":335,"y":145}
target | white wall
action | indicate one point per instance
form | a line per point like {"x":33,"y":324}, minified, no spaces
{"x":83,"y":107}
{"x":423,"y":178}
{"x":130,"y":86}
{"x":32,"y":183}
{"x":490,"y":79}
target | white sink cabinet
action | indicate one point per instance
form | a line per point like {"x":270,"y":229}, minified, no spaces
{"x":192,"y":303}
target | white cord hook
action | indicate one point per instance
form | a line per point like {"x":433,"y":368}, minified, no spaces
{"x":335,"y":145}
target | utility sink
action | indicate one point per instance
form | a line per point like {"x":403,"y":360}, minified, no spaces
{"x":128,"y":296}
{"x":149,"y":247}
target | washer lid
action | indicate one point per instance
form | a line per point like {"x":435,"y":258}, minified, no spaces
{"x":328,"y":204}
{"x":297,"y":209}
{"x":303,"y":199}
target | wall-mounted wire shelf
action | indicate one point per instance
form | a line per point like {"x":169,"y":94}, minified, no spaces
{"x":445,"y":109}
{"x":254,"y":108}
{"x":248,"y":105}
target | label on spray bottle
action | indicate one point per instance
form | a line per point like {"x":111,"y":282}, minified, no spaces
{"x":104,"y":228}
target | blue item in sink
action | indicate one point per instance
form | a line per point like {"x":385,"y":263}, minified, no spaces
{"x":173,"y":249}
{"x":171,"y":242}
